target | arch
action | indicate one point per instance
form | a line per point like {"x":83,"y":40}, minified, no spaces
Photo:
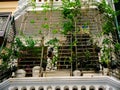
{"x":41,"y":88}
{"x":32,"y":88}
{"x":75,"y":88}
{"x":91,"y":88}
{"x":57,"y":88}
{"x":66,"y":88}
{"x":49,"y":88}
{"x":101,"y":88}
{"x":83,"y":88}
{"x":23,"y":88}
{"x":15,"y":88}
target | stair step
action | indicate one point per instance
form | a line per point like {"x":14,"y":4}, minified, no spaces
{"x":58,"y":73}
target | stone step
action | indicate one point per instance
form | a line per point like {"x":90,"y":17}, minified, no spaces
{"x":57,"y":73}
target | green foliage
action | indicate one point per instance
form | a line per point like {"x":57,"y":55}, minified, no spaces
{"x":70,"y":60}
{"x":87,"y":54}
{"x":30,"y":42}
{"x":108,"y":27}
{"x":70,"y":11}
{"x":32,"y":21}
{"x":53,"y":42}
{"x":5,"y":56}
{"x":105,"y":8}
{"x":66,"y":12}
{"x":67,"y":27}
{"x":55,"y":31}
{"x":40,"y":31}
{"x":117,"y":46}
{"x":105,"y":58}
{"x":18,"y":43}
{"x":54,"y":59}
{"x":116,"y":1}
{"x":46,"y":26}
{"x":109,"y":15}
{"x":106,"y":41}
{"x":71,"y":8}
{"x":106,"y":52}
{"x":33,"y":3}
{"x":45,"y":7}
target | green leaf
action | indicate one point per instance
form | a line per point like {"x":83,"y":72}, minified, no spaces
{"x":32,"y":21}
{"x":55,"y":31}
{"x":106,"y":41}
{"x":53,"y":41}
{"x":30,"y":42}
{"x":45,"y":26}
{"x":40,"y":31}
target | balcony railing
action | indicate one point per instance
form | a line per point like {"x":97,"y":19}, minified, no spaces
{"x":26,"y":5}
{"x":61,"y":83}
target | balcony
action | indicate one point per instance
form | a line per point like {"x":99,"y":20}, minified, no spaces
{"x":29,"y":5}
{"x":61,"y":83}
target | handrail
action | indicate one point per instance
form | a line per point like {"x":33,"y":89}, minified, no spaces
{"x":96,"y":81}
{"x":6,"y":24}
{"x":10,"y":20}
{"x":6,"y":28}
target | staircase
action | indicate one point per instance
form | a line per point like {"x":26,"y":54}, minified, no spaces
{"x":64,"y":54}
{"x":7,"y":34}
{"x":31,"y":57}
{"x":89,"y":18}
{"x":3,"y":23}
{"x":87,"y":56}
{"x":7,"y":28}
{"x":84,"y":56}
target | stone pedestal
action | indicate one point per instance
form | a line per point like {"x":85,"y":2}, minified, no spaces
{"x":106,"y":71}
{"x":20,"y":73}
{"x":76,"y":73}
{"x":37,"y":71}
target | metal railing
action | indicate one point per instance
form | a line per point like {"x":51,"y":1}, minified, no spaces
{"x":7,"y":27}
